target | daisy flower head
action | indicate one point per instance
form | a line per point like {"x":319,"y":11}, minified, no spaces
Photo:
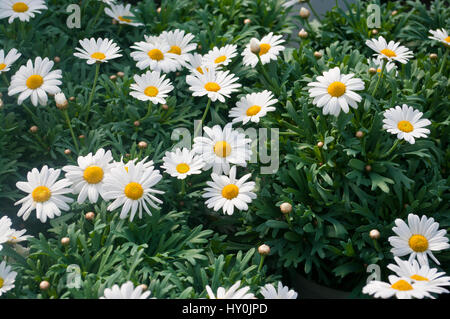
{"x":5,"y":230}
{"x":156,"y":55}
{"x":180,"y":44}
{"x":7,"y":278}
{"x":122,"y":14}
{"x":151,"y":86}
{"x":234,"y":292}
{"x":35,"y":80}
{"x":334,"y":91}
{"x":222,"y":147}
{"x":400,"y":287}
{"x":269,"y":49}
{"x":16,"y":236}
{"x":182,"y":162}
{"x":24,"y":9}
{"x":131,"y":187}
{"x":252,"y":107}
{"x":196,"y":62}
{"x":440,"y":35}
{"x":88,"y":176}
{"x":126,"y":291}
{"x":211,"y":82}
{"x":97,"y":51}
{"x":220,"y":56}
{"x":270,"y":292}
{"x":227,"y":192}
{"x":45,"y":194}
{"x":8,"y":60}
{"x":418,"y":238}
{"x":108,"y":2}
{"x":391,"y":51}
{"x":377,"y":63}
{"x":406,"y":122}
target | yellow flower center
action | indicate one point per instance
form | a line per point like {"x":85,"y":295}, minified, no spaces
{"x":35,"y":81}
{"x":2,"y":281}
{"x":418,"y":243}
{"x":199,"y":69}
{"x":126,"y":168}
{"x":2,"y":66}
{"x":212,"y":86}
{"x":222,"y":149}
{"x":41,"y":194}
{"x":183,"y":168}
{"x":220,"y":59}
{"x":447,"y":39}
{"x":419,"y":278}
{"x":388,"y":53}
{"x":98,"y":55}
{"x":230,"y":191}
{"x":402,"y":285}
{"x":263,"y":48}
{"x":20,"y":7}
{"x":151,"y":91}
{"x":175,"y":50}
{"x":156,"y":54}
{"x":253,"y":110}
{"x":124,"y":19}
{"x":134,"y":190}
{"x":336,"y":89}
{"x":93,"y":174}
{"x":405,"y":126}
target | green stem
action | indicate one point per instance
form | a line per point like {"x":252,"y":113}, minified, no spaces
{"x":444,"y":61}
{"x":391,"y":149}
{"x":149,"y":111}
{"x":261,"y":262}
{"x":288,"y":219}
{"x":266,"y":76}
{"x":203,"y":118}
{"x":183,"y":186}
{"x":66,"y":115}
{"x":88,"y":108}
{"x":5,"y":79}
{"x":379,"y":77}
{"x":314,"y":11}
{"x":102,"y":7}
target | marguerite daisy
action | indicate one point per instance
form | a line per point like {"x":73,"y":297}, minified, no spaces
{"x":122,"y":14}
{"x":220,"y":56}
{"x":156,"y":55}
{"x":131,"y":187}
{"x":151,"y":86}
{"x":222,"y":147}
{"x":16,"y":236}
{"x":270,"y":292}
{"x":126,"y":291}
{"x":100,"y":50}
{"x":269,"y":49}
{"x":227,"y":192}
{"x":377,"y":63}
{"x":391,"y":51}
{"x":179,"y":44}
{"x":7,"y":278}
{"x":252,"y":107}
{"x":406,"y":122}
{"x":216,"y":84}
{"x":232,"y":293}
{"x":24,"y":9}
{"x":440,"y":35}
{"x":5,"y":230}
{"x":418,"y":239}
{"x":335,"y":91}
{"x":182,"y":162}
{"x":88,"y":177}
{"x":400,"y":287}
{"x":35,"y":80}
{"x":45,"y":194}
{"x":195,"y":62}
{"x":10,"y":58}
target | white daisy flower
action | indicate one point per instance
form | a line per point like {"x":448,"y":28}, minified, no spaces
{"x":151,"y":86}
{"x":122,"y":14}
{"x":222,"y":147}
{"x":232,"y":293}
{"x":270,"y":292}
{"x":156,"y":55}
{"x":108,"y":2}
{"x":16,"y":236}
{"x":7,"y":278}
{"x":182,"y":163}
{"x":126,"y":291}
{"x":406,"y":122}
{"x":216,"y":84}
{"x":391,"y":51}
{"x":8,"y":60}
{"x":196,"y":62}
{"x":5,"y":230}
{"x":377,"y":63}
{"x":179,"y":44}
{"x":227,"y":192}
{"x":45,"y":194}
{"x":100,"y":50}
{"x":418,"y":239}
{"x":24,"y":9}
{"x":252,"y":107}
{"x":269,"y":47}
{"x":335,"y":91}
{"x":131,"y":187}
{"x":220,"y":56}
{"x":422,"y":274}
{"x":88,"y":176}
{"x":400,"y":287}
{"x":135,"y":161}
{"x":36,"y":81}
{"x":440,"y":35}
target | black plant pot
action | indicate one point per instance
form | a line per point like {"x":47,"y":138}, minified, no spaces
{"x":308,"y":289}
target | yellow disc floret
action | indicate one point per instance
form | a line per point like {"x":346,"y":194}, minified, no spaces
{"x":134,"y":191}
{"x":220,"y":59}
{"x":264,"y":48}
{"x":402,"y":285}
{"x":175,"y":50}
{"x":388,"y":53}
{"x":2,"y":66}
{"x":222,"y":149}
{"x":151,"y":91}
{"x":405,"y":126}
{"x":156,"y":54}
{"x":35,"y":81}
{"x":230,"y":191}
{"x":41,"y":194}
{"x":336,"y":89}
{"x":419,"y":278}
{"x":253,"y":110}
{"x":93,"y":174}
{"x":418,"y":243}
{"x":20,"y":7}
{"x":212,"y":87}
{"x":98,"y":55}
{"x":182,"y":168}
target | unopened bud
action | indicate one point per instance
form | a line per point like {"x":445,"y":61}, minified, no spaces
{"x":304,"y":13}
{"x":72,"y":98}
{"x":394,"y":12}
{"x":61,"y":101}
{"x":368,"y":168}
{"x":317,"y":54}
{"x":142,"y":145}
{"x":144,"y":287}
{"x":114,"y":21}
{"x":254,"y":46}
{"x":247,"y":21}
{"x":113,"y":77}
{"x":320,"y":144}
{"x":90,"y":215}
{"x":120,"y":74}
{"x":1,"y":103}
{"x":65,"y":241}
{"x":165,"y":106}
{"x":81,"y":136}
{"x":67,"y":152}
{"x":136,"y":123}
{"x":158,"y":10}
{"x":44,"y":285}
{"x":359,"y":134}
{"x":57,"y":59}
{"x":374,"y":234}
{"x":286,"y":208}
{"x":372,"y":71}
{"x":264,"y":250}
{"x":34,"y":129}
{"x":374,"y":31}
{"x":303,"y":34}
{"x":433,"y":56}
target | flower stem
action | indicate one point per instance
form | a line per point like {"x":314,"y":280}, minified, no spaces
{"x":183,"y":186}
{"x":266,"y":76}
{"x":379,"y":77}
{"x":5,"y":79}
{"x":391,"y":149}
{"x":149,"y":111}
{"x":261,"y":262}
{"x":66,"y":115}
{"x":444,"y":61}
{"x":88,"y":108}
{"x":102,"y":6}
{"x":203,"y":118}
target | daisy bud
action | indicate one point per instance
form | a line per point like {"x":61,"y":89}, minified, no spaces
{"x":247,"y":21}
{"x":372,"y":71}
{"x":44,"y":285}
{"x":158,"y":10}
{"x":433,"y":56}
{"x":394,"y":12}
{"x":113,"y":77}
{"x":264,"y":250}
{"x":127,"y":154}
{"x":136,"y":123}
{"x":34,"y":129}
{"x":144,"y":287}
{"x":65,"y":241}
{"x":254,"y":46}
{"x":178,"y":74}
{"x":81,"y":136}
{"x":57,"y":59}
{"x":320,"y":144}
{"x":90,"y":215}
{"x":368,"y":168}
{"x":120,"y":74}
{"x":286,"y":208}
{"x":1,"y":103}
{"x":374,"y":234}
{"x":199,"y":46}
{"x":165,"y":107}
{"x":317,"y":55}
{"x":142,"y":145}
{"x":374,"y":31}
{"x":359,"y":134}
{"x":61,"y":101}
{"x":72,"y":98}
{"x":67,"y":152}
{"x":303,"y":34}
{"x":114,"y":21}
{"x":304,"y":13}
